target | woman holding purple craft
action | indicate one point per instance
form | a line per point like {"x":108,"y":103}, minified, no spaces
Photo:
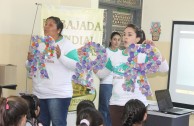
{"x":55,"y":93}
{"x":118,"y":65}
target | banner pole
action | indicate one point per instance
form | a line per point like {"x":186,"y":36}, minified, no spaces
{"x":37,"y":4}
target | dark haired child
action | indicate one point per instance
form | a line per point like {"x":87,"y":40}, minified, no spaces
{"x":13,"y":111}
{"x":85,"y":104}
{"x":34,"y":109}
{"x":89,"y":117}
{"x":135,"y":113}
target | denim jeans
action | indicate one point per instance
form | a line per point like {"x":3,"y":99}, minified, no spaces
{"x":54,"y":110}
{"x":104,"y":99}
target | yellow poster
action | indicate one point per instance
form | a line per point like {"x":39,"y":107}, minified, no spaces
{"x":81,"y":25}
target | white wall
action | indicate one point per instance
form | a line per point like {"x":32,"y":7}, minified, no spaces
{"x":165,"y":11}
{"x":17,"y":16}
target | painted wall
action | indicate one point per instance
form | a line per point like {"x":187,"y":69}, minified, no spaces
{"x":165,"y":11}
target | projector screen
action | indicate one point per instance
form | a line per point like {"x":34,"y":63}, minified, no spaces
{"x":181,"y":73}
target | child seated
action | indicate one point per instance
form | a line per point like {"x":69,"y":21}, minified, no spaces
{"x":84,"y":104}
{"x":34,"y":109}
{"x":134,"y":113}
{"x":13,"y":111}
{"x":89,"y":117}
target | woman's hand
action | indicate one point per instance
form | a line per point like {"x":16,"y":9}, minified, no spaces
{"x":80,"y":52}
{"x":95,"y":71}
{"x":58,"y":51}
{"x":30,"y":56}
{"x":149,"y":42}
{"x":152,"y":44}
{"x":126,"y":51}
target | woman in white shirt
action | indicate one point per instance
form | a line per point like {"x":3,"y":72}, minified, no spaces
{"x":118,"y":64}
{"x":105,"y":91}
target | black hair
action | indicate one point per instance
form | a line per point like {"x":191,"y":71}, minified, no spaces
{"x":91,"y":115}
{"x":139,"y":32}
{"x":33,"y":103}
{"x":12,"y":110}
{"x":112,"y":35}
{"x":134,"y":112}
{"x":84,"y":104}
{"x":58,"y":23}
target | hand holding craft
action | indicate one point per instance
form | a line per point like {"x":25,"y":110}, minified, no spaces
{"x":136,"y":69}
{"x":30,"y":56}
{"x":38,"y":57}
{"x":58,"y":51}
{"x":150,"y":42}
{"x":80,"y":52}
{"x":83,"y":72}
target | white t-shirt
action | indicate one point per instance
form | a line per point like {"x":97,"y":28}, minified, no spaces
{"x":119,"y":96}
{"x":110,"y":53}
{"x":60,"y":71}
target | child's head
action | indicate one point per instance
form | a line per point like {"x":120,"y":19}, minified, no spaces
{"x":132,"y":34}
{"x":115,"y":40}
{"x":13,"y":111}
{"x":89,"y":117}
{"x":33,"y":103}
{"x":84,"y":104}
{"x":134,"y":112}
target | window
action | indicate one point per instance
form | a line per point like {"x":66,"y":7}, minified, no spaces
{"x":119,"y":13}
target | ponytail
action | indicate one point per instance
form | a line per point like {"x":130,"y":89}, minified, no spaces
{"x":141,"y":35}
{"x":134,"y":112}
{"x":129,"y":120}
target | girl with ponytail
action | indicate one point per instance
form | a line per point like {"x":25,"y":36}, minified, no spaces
{"x":13,"y":111}
{"x":134,"y":113}
{"x":89,"y":117}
